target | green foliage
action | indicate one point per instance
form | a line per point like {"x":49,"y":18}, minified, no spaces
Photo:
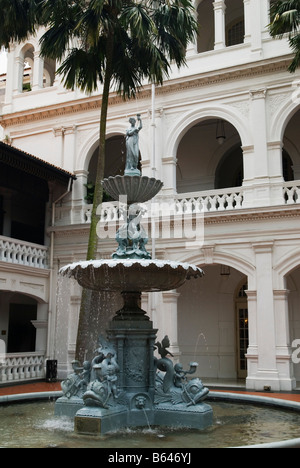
{"x":285,"y":19}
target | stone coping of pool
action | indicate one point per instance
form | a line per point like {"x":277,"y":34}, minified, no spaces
{"x":225,"y":396}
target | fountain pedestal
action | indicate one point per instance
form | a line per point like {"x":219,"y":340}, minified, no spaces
{"x":133,"y":339}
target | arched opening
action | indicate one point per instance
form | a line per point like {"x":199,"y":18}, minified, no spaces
{"x":49,"y":72}
{"x":46,"y":69}
{"x":209,"y":157}
{"x":28,"y":66}
{"x":293,"y":286}
{"x":206,"y":36}
{"x":291,"y":149}
{"x":235,"y":22}
{"x":18,"y":311}
{"x":208,"y":323}
{"x":230,"y":170}
{"x":115,"y":158}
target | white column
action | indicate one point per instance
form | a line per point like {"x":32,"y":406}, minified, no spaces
{"x":38,"y":72}
{"x":169,"y":165}
{"x":252,"y":352}
{"x":256,"y":27}
{"x":265,"y":17}
{"x":9,"y":86}
{"x":18,"y":75}
{"x":41,"y":325}
{"x":247,"y":15}
{"x":262,"y":195}
{"x":259,"y":130}
{"x":219,"y":13}
{"x":78,"y":197}
{"x":283,"y":345}
{"x":275,"y":161}
{"x":69,"y":148}
{"x":267,"y":373}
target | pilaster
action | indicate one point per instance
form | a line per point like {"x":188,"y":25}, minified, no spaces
{"x":266,"y":374}
{"x":283,"y":345}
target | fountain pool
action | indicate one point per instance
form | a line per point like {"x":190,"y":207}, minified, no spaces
{"x":236,"y":424}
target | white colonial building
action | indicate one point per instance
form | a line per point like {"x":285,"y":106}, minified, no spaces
{"x":223,"y":136}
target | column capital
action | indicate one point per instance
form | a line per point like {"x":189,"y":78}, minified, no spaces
{"x":264,"y":247}
{"x":219,"y":5}
{"x":281,"y":293}
{"x":170,"y":296}
{"x":260,"y":93}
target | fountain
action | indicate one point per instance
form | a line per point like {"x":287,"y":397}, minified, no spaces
{"x":125,"y":385}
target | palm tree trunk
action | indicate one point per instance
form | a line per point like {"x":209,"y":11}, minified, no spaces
{"x":84,"y":348}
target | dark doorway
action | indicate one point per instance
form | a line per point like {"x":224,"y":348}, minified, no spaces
{"x":21,"y":332}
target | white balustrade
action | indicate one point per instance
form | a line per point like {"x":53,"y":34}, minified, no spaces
{"x":22,"y":366}
{"x":291,"y":192}
{"x":22,"y":253}
{"x":210,"y":201}
{"x":197,"y":202}
{"x":189,"y":203}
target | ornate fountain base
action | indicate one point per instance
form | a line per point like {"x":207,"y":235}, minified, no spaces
{"x":128,"y":386}
{"x":98,"y":421}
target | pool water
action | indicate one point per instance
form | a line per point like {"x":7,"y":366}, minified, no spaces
{"x":33,"y":425}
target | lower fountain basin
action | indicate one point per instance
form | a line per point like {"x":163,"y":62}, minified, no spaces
{"x":236,"y":424}
{"x":131,"y":275}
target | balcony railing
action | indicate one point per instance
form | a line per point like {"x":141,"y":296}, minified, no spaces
{"x":22,"y":366}
{"x":22,"y":253}
{"x":210,"y":201}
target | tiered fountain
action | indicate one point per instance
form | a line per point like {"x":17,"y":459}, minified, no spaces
{"x":126,"y":385}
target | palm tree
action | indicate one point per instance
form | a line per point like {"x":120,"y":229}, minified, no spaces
{"x":119,"y":43}
{"x":285,"y":19}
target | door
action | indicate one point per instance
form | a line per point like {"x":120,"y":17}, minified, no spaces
{"x":242,"y":339}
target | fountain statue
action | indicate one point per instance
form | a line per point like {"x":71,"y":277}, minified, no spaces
{"x":125,"y":384}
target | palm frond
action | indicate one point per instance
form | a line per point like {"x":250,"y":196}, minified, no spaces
{"x":285,"y":17}
{"x":18,"y":20}
{"x":82,"y":69}
{"x":295,"y":46}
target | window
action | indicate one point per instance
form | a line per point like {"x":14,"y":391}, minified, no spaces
{"x":236,"y":33}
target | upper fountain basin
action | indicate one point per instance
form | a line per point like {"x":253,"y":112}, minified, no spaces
{"x":137,"y":189}
{"x":131,"y":275}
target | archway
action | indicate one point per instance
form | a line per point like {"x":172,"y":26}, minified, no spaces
{"x":293,"y":286}
{"x":234,"y":23}
{"x":205,"y":152}
{"x":27,"y":55}
{"x":207,"y":322}
{"x":115,"y":158}
{"x":291,"y":149}
{"x":18,"y":311}
{"x":206,"y":37}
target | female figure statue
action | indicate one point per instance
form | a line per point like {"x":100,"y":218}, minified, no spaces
{"x":132,"y":147}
